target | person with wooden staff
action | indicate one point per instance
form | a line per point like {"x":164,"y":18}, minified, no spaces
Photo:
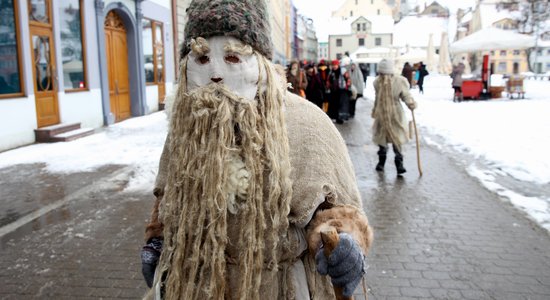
{"x":390,"y":123}
{"x":248,"y":175}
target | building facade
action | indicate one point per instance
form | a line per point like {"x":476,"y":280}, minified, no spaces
{"x":352,"y":9}
{"x":80,"y":61}
{"x":322,"y":51}
{"x":499,"y":14}
{"x":368,"y":32}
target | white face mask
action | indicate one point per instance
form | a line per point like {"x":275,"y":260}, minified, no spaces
{"x":238,"y":71}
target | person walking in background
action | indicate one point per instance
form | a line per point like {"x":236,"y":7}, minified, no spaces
{"x":422,"y":72}
{"x":323,"y":72}
{"x":456,"y":75}
{"x":358,"y":85}
{"x":296,"y":77}
{"x":407,"y":72}
{"x":315,"y":87}
{"x":389,"y":118}
{"x":339,"y":84}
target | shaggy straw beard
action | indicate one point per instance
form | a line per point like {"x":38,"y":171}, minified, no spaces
{"x":208,"y":127}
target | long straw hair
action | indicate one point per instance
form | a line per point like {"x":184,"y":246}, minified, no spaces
{"x":386,"y":110}
{"x":209,"y":126}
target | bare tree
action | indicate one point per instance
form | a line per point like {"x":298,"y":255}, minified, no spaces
{"x":533,"y":20}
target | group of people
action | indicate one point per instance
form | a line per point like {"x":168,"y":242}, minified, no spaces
{"x":334,"y":88}
{"x":343,"y":83}
{"x":415,"y":74}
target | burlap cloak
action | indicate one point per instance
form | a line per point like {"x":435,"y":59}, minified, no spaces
{"x":322,"y":175}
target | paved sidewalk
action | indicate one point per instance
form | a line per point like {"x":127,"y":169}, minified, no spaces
{"x":442,"y":236}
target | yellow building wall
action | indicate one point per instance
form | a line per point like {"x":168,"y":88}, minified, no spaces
{"x":504,"y":60}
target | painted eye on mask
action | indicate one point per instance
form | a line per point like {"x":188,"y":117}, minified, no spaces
{"x":232,"y":59}
{"x":203,"y":59}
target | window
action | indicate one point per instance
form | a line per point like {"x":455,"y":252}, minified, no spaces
{"x":539,"y":52}
{"x":364,"y":26}
{"x":502,"y":52}
{"x":351,"y":13}
{"x":356,"y":2}
{"x":378,"y":41}
{"x":548,"y":52}
{"x":361,"y":42}
{"x":72,"y":45}
{"x":378,"y":12}
{"x":501,"y":67}
{"x":338,"y":42}
{"x":516,"y":52}
{"x":358,"y":27}
{"x":10,"y":65}
{"x":371,"y":1}
{"x":153,"y":51}
{"x":492,"y":52}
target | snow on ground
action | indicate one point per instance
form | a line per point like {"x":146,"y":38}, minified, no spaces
{"x":137,"y":142}
{"x":510,"y":137}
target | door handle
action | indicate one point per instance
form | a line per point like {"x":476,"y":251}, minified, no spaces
{"x":116,"y":87}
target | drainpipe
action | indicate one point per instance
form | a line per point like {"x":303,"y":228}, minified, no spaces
{"x":108,"y":117}
{"x":143,"y":108}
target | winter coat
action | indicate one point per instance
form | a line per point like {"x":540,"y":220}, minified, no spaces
{"x":322,"y":175}
{"x":299,"y":82}
{"x":457,"y":75}
{"x":315,"y":89}
{"x":399,"y":91}
{"x":357,"y":80}
{"x":422,"y":72}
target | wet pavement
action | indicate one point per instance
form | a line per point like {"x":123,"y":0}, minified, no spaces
{"x":439,"y":236}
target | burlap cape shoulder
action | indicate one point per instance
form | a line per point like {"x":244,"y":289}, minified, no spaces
{"x":321,"y":167}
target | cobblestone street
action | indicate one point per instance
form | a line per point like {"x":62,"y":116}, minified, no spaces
{"x":441,"y":236}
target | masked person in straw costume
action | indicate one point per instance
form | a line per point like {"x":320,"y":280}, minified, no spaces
{"x":390,"y":123}
{"x":248,"y":175}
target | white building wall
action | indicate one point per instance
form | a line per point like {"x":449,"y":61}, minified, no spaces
{"x":350,"y":43}
{"x":81,"y":107}
{"x":17,"y":123}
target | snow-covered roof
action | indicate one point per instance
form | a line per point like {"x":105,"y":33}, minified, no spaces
{"x":490,"y":14}
{"x":414,"y":31}
{"x":379,"y":25}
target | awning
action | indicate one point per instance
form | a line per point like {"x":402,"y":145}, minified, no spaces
{"x":492,"y":39}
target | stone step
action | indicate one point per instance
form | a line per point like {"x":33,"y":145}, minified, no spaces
{"x":45,"y":133}
{"x":72,"y":135}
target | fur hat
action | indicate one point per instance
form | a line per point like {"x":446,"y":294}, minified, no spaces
{"x":246,"y":20}
{"x":385,"y":66}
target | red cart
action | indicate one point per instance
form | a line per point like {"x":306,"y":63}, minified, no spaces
{"x":472,"y":89}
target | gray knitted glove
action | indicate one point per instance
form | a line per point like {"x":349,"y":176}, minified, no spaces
{"x":345,"y":266}
{"x":150,"y":254}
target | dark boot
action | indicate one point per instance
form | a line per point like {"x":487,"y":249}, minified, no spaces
{"x":399,"y":161}
{"x":381,"y":158}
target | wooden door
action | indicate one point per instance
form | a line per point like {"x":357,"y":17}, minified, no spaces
{"x":117,"y":64}
{"x":43,"y":63}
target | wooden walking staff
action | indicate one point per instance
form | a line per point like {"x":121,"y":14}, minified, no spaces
{"x":417,"y":145}
{"x":330,"y":239}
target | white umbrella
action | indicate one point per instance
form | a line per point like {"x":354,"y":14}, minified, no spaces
{"x":444,"y":66}
{"x":492,"y":39}
{"x":430,"y":60}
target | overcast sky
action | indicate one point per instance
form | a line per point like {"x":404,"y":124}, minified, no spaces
{"x":321,"y":12}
